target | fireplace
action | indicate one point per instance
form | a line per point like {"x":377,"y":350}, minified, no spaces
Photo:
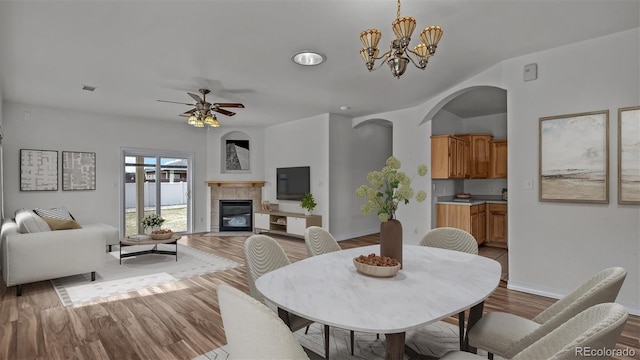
{"x":236,"y":215}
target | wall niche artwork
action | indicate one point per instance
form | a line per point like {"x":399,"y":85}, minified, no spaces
{"x":38,"y":170}
{"x":235,"y":155}
{"x":78,"y":170}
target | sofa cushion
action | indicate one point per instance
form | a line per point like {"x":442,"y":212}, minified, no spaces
{"x":56,"y":213}
{"x":29,"y":222}
{"x":59,"y":224}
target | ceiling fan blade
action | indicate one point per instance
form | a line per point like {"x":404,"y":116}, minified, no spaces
{"x":190,"y":111}
{"x":224,"y":112}
{"x":196,"y":97}
{"x":175,"y":102}
{"x":229,"y":105}
{"x":183,"y":115}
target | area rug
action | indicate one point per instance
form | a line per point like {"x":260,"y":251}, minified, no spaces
{"x":432,"y":340}
{"x":137,"y":273}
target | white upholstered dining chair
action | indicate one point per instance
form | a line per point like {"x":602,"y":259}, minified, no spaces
{"x":319,"y":241}
{"x":254,"y":331}
{"x":452,"y":239}
{"x":263,"y":254}
{"x":506,"y":334}
{"x":597,"y":327}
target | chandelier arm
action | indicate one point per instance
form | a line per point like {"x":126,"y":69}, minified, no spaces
{"x":385,"y":55}
{"x":410,"y":58}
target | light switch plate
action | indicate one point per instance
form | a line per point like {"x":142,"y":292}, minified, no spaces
{"x":530,"y":72}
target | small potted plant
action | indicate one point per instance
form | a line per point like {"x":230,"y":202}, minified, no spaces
{"x":308,"y":203}
{"x":152,"y":221}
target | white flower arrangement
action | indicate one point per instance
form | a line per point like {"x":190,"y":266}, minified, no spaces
{"x":387,"y":189}
{"x":152,"y":221}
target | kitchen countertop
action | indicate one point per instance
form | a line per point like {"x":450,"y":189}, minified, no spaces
{"x":475,"y":201}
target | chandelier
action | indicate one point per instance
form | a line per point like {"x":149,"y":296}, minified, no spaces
{"x":201,"y":117}
{"x":399,"y":53}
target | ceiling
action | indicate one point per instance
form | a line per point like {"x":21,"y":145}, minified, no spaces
{"x":136,"y":52}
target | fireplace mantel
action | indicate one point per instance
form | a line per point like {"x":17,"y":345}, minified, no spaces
{"x":235,"y":183}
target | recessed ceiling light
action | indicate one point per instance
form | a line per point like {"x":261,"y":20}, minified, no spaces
{"x":344,"y":108}
{"x":308,"y":58}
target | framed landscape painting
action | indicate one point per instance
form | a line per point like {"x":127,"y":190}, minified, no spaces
{"x":574,"y":160}
{"x":629,"y":155}
{"x":38,"y":170}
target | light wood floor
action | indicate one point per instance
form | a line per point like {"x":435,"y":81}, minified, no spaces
{"x":177,"y":321}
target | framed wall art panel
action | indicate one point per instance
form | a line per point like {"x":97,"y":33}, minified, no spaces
{"x":629,"y":155}
{"x":38,"y":170}
{"x":573,"y":159}
{"x":78,"y":170}
{"x":237,"y":155}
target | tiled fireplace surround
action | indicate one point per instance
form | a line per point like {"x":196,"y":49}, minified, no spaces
{"x":233,"y":190}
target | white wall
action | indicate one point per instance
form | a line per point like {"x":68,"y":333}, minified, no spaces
{"x":411,"y":145}
{"x":56,"y":129}
{"x":553,"y":247}
{"x":1,"y":162}
{"x":302,"y":142}
{"x":354,"y":152}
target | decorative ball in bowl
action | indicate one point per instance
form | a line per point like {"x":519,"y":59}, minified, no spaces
{"x":374,"y":265}
{"x":162,"y":234}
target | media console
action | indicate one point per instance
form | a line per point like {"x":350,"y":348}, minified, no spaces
{"x":284,"y":223}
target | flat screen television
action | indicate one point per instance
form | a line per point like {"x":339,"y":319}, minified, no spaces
{"x":292,"y":182}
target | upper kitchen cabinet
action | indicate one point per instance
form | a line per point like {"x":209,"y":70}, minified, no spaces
{"x":479,"y":154}
{"x":498,"y":161}
{"x":449,"y":157}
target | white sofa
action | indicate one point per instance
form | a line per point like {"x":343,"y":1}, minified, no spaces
{"x":38,"y":253}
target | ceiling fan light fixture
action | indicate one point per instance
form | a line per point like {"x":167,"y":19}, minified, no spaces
{"x":308,"y":58}
{"x":215,"y":122}
{"x":192,"y":120}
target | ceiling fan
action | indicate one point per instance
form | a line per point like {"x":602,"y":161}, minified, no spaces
{"x":201,"y":113}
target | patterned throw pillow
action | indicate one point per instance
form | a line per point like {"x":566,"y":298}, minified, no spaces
{"x":56,"y":213}
{"x":59,"y":224}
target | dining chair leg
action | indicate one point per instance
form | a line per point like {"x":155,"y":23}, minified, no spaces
{"x":351,"y":342}
{"x":326,"y":342}
{"x":490,"y":356}
{"x":306,"y":330}
{"x":461,"y":317}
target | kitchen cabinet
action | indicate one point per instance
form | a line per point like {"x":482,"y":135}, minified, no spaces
{"x":470,"y":218}
{"x":498,"y":159}
{"x":449,"y":157}
{"x":497,"y":222}
{"x":479,"y":154}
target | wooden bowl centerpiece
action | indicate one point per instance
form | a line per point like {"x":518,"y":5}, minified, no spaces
{"x":374,"y":265}
{"x":162,"y":234}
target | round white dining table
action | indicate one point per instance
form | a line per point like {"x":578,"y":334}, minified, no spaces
{"x":432,"y":284}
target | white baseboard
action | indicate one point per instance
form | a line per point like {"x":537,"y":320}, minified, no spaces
{"x":358,"y":234}
{"x":634,"y":309}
